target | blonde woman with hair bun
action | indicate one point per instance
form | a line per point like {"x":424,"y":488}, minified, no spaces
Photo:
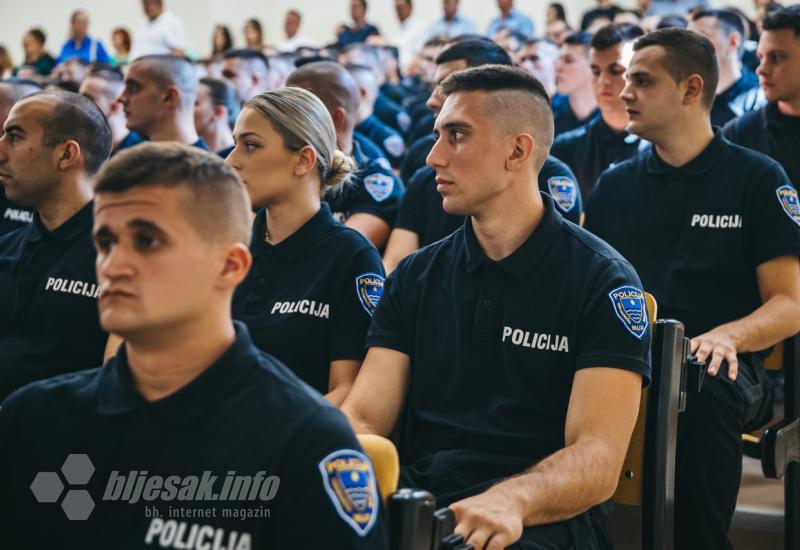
{"x":314,"y":284}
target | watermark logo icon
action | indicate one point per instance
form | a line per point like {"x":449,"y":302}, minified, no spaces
{"x":48,"y":487}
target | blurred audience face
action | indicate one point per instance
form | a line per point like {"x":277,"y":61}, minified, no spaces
{"x":539,"y":61}
{"x":711,"y":29}
{"x":557,"y":31}
{"x":152,"y":8}
{"x":291,"y":24}
{"x":436,"y":100}
{"x":71,"y":70}
{"x":141,"y":99}
{"x":79,"y":25}
{"x":450,"y":8}
{"x":33,"y":48}
{"x":358,"y":11}
{"x":608,"y":75}
{"x":402,"y":8}
{"x":204,"y":109}
{"x":99,"y":91}
{"x":779,"y":68}
{"x":572,"y":69}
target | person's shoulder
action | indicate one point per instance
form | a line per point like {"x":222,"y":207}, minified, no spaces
{"x":433,"y":255}
{"x":743,"y":161}
{"x":279,"y":388}
{"x":592,"y":252}
{"x":70,"y":392}
{"x":347,"y":239}
{"x":571,"y":136}
{"x":739,"y":127}
{"x":421,"y":178}
{"x":13,"y":238}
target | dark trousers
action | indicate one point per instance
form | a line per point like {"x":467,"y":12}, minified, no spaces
{"x":708,"y":469}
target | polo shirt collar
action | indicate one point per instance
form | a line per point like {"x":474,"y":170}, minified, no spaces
{"x":117,"y":393}
{"x":297,"y":244}
{"x":520,"y":262}
{"x":67,"y":231}
{"x":700,"y":164}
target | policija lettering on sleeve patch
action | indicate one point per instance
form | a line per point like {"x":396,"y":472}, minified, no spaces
{"x":379,"y":186}
{"x":631,"y":309}
{"x":787,"y":196}
{"x":564,"y":192}
{"x":350,"y":483}
{"x":369,"y":288}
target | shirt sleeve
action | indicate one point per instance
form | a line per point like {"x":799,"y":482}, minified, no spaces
{"x":330,"y":493}
{"x":359,"y":298}
{"x":102,"y":55}
{"x":557,"y":180}
{"x":389,"y":326}
{"x":409,"y":214}
{"x":614,"y":326}
{"x":175,"y":35}
{"x":379,"y":194}
{"x":593,"y":221}
{"x":772,"y":225}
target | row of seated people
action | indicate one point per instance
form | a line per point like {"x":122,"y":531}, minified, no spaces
{"x":516,"y":416}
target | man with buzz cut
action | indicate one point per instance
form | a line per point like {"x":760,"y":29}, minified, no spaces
{"x":158,"y":99}
{"x":52,"y":144}
{"x":775,"y":128}
{"x":714,"y":231}
{"x":503,"y":342}
{"x":174,"y":442}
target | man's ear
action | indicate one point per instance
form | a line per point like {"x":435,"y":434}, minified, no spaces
{"x":221,"y":111}
{"x":694,"y":89}
{"x":172,"y":97}
{"x":339,"y":118}
{"x":523,"y":148}
{"x":236,"y":264}
{"x":68,"y":155}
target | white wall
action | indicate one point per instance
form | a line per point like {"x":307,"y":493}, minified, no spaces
{"x":320,"y":16}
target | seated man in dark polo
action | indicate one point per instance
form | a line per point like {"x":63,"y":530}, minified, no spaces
{"x":226,"y":445}
{"x":775,"y":129}
{"x":12,"y":215}
{"x":369,"y":204}
{"x":519,"y":344}
{"x":158,"y":100}
{"x":603,"y":141}
{"x":53,"y":144}
{"x":714,"y":231}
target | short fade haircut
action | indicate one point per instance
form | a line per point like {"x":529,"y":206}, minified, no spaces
{"x":729,"y":21}
{"x":579,"y":39}
{"x":783,"y":18}
{"x":612,"y":35}
{"x":172,"y":70}
{"x":73,"y":117}
{"x":528,"y":106}
{"x":223,"y":94}
{"x":686,"y":53}
{"x":475,"y":53}
{"x":219,"y":207}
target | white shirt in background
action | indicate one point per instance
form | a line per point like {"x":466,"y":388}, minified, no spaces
{"x":410,"y":39}
{"x":159,"y":36}
{"x":297,"y":41}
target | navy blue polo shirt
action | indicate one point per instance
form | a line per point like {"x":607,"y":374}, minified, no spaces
{"x":12,"y":216}
{"x":494,"y":346}
{"x":421,"y":208}
{"x":133,"y":138}
{"x":769,"y":131}
{"x":245,"y":416}
{"x":741,"y":97}
{"x":49,"y":323}
{"x":392,"y":114}
{"x":697,"y":233}
{"x":388,"y":139}
{"x":592,"y":148}
{"x":370,"y":150}
{"x":564,"y":119}
{"x":309,"y":299}
{"x":375,"y":190}
{"x":422,"y":127}
{"x":416,"y":156}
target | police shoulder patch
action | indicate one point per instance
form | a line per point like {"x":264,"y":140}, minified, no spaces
{"x":369,"y":287}
{"x":350,"y":483}
{"x":564,"y":191}
{"x":787,"y":196}
{"x":630,"y":307}
{"x":394,"y":145}
{"x":379,"y":186}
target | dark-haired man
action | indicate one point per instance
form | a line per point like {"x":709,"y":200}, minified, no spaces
{"x":714,"y":231}
{"x":521,"y":382}
{"x":603,"y":141}
{"x":215,"y":113}
{"x":52,"y":145}
{"x":103,"y":85}
{"x":737,"y":90}
{"x":370,"y":204}
{"x":775,"y":129}
{"x":360,"y":30}
{"x":158,"y":99}
{"x":171,"y":229}
{"x":537,"y":57}
{"x":13,"y":215}
{"x":575,"y":104}
{"x":247,"y":71}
